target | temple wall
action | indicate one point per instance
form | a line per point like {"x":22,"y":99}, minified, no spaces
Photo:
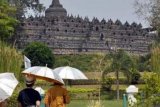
{"x":73,"y":35}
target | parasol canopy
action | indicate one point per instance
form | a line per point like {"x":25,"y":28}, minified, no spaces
{"x":8,"y":83}
{"x":68,"y":72}
{"x":43,"y":73}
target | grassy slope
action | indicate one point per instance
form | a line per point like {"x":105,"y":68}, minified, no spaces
{"x":86,"y":63}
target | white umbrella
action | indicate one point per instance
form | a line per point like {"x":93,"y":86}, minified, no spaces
{"x":132,"y":89}
{"x":27,"y":62}
{"x":70,"y":73}
{"x":8,"y":83}
{"x":40,"y":90}
{"x":44,"y":73}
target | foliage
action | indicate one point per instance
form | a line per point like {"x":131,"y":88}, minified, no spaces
{"x":81,"y":90}
{"x":132,"y":103}
{"x":7,"y":20}
{"x":152,"y":89}
{"x":107,"y":84}
{"x":144,"y":63}
{"x":102,"y":62}
{"x":39,"y":54}
{"x":24,"y":5}
{"x":149,"y":10}
{"x":10,"y":59}
{"x":152,"y":81}
{"x":86,"y":63}
{"x":85,"y":82}
{"x":121,"y":61}
{"x":135,"y":76}
{"x":12,"y":101}
{"x":155,"y":59}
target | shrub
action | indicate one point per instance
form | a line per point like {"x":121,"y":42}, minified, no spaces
{"x":85,"y":82}
{"x":122,"y":80}
{"x":39,"y":54}
{"x":81,"y":90}
{"x":151,"y":90}
{"x":107,"y":84}
{"x":12,"y":101}
{"x":135,"y":76}
{"x":82,"y":93}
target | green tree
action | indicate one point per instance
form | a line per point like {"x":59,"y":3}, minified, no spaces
{"x":152,"y":81}
{"x":23,"y":6}
{"x":149,"y":10}
{"x":39,"y":54}
{"x":121,"y":61}
{"x":7,"y":20}
{"x":151,"y":90}
{"x":143,"y":63}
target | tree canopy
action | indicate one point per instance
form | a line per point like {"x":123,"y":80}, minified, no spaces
{"x":149,"y":10}
{"x":7,"y":20}
{"x":24,"y":5}
{"x":152,"y":81}
{"x":39,"y":54}
{"x":121,"y":61}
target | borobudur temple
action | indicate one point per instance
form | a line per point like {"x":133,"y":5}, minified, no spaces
{"x":66,"y":34}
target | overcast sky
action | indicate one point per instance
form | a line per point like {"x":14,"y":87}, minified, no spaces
{"x":114,"y":9}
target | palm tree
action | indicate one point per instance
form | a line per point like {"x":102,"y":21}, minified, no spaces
{"x":121,"y":61}
{"x":116,"y":66}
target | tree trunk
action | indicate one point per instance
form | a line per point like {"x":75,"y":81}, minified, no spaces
{"x":117,"y":83}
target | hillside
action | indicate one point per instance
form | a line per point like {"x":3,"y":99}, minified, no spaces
{"x":85,"y":62}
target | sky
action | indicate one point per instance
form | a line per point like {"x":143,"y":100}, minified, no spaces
{"x":108,"y":9}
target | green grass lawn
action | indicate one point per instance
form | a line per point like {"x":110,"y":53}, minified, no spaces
{"x":84,"y":103}
{"x":105,"y":103}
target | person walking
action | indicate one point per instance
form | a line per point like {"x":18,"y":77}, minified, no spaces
{"x":57,"y":96}
{"x":29,"y":97}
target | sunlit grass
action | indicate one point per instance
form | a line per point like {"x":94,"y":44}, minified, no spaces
{"x":88,"y":103}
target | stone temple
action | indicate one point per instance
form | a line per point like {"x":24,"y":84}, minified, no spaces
{"x":74,"y":35}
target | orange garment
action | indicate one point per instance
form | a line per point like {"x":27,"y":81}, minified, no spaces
{"x":56,"y":97}
{"x":3,"y":103}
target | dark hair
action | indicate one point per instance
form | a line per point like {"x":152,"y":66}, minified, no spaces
{"x":58,"y":84}
{"x":30,"y":85}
